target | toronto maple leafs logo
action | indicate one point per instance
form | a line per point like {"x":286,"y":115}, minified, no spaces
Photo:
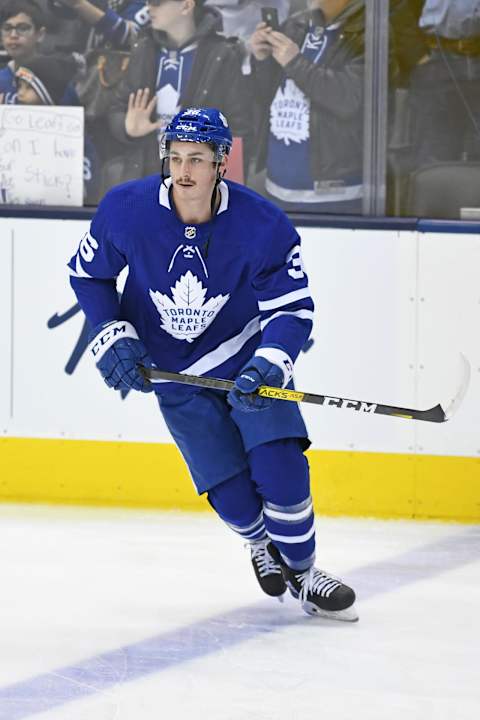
{"x":290,"y":114}
{"x":186,"y":315}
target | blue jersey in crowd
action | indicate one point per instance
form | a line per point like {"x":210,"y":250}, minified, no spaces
{"x":9,"y":89}
{"x":289,"y":177}
{"x":7,"y":85}
{"x":201,"y":297}
{"x":116,"y":29}
{"x":174,"y":68}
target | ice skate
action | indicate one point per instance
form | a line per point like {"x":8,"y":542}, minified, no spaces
{"x":267,"y":570}
{"x":319,"y":593}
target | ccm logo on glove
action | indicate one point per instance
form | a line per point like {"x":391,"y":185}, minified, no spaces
{"x":118,"y":352}
{"x":111,"y":333}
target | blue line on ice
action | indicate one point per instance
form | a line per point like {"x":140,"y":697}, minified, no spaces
{"x":204,"y":637}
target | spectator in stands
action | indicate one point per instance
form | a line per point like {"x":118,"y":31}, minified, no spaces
{"x":181,"y":60}
{"x":22,"y":30}
{"x":115,"y":22}
{"x":104,"y":29}
{"x":241,"y":17}
{"x":43,"y":80}
{"x":445,"y":97}
{"x":308,"y":81}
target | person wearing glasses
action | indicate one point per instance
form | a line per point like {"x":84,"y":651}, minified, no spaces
{"x":180,"y":60}
{"x":22,"y":30}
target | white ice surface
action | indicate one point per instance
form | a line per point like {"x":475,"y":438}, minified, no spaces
{"x":134,"y":615}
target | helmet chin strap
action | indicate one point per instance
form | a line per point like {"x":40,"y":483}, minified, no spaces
{"x":162,"y":172}
{"x":218,"y":180}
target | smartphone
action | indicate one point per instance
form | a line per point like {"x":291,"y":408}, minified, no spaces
{"x":270,"y":17}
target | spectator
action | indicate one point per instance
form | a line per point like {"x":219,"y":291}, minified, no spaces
{"x":308,"y":81}
{"x":240,"y":17}
{"x":180,"y":61}
{"x":104,"y":33}
{"x":42,"y":80}
{"x":115,"y":22}
{"x":22,"y":30}
{"x":445,"y":98}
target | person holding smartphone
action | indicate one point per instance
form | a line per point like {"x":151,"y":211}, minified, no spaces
{"x":308,"y":82}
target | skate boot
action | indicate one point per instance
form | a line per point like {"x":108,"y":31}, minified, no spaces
{"x":267,"y":570}
{"x":319,"y":593}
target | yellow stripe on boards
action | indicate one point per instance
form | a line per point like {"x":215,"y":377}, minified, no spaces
{"x":154,"y":475}
{"x":389,"y":485}
{"x":91,"y":472}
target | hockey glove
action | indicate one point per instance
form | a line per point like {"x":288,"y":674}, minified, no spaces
{"x":117,"y":352}
{"x":269,"y":366}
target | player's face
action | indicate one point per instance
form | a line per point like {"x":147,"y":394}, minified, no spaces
{"x":26,"y":95}
{"x":193,"y":170}
{"x":20,"y":36}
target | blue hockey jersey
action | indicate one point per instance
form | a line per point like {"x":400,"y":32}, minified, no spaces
{"x":201,"y":297}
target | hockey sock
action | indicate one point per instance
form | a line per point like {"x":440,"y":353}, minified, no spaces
{"x":237,"y":502}
{"x":280,"y":472}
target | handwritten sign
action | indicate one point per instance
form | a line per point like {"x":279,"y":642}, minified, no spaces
{"x":41,"y":155}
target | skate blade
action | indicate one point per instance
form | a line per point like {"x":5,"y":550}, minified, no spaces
{"x":348,"y":615}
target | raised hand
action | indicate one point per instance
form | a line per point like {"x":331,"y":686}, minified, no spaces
{"x":138,"y":122}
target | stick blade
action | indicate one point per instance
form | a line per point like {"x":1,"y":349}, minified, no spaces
{"x":465,"y":372}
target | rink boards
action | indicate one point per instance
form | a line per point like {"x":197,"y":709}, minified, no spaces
{"x":394,"y":311}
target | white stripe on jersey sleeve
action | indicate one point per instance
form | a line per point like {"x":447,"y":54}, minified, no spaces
{"x":301,"y":314}
{"x":282,"y":300}
{"x":79,"y":271}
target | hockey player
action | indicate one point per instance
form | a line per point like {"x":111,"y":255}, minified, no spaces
{"x":216,"y":286}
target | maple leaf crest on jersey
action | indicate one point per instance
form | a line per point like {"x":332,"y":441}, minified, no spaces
{"x":186,"y":315}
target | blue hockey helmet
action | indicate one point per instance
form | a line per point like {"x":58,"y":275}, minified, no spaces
{"x":200,"y":125}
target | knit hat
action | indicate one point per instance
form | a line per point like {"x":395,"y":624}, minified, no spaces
{"x":48,"y":75}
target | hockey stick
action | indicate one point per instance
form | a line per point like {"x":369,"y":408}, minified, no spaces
{"x":435,"y":414}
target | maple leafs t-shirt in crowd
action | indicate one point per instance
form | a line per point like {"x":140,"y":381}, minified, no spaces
{"x":174,"y":68}
{"x":289,"y":148}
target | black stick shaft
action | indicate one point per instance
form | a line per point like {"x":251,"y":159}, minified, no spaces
{"x":435,"y":414}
